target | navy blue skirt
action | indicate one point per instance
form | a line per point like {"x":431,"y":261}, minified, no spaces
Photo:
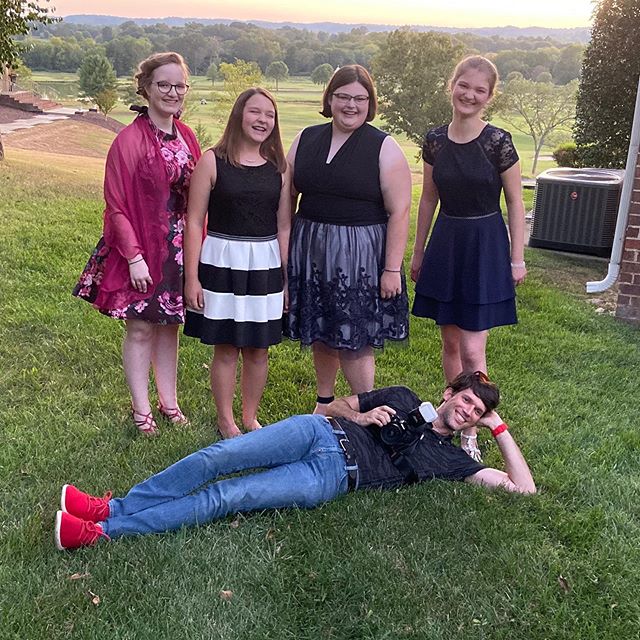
{"x":334,"y":287}
{"x":465,"y":278}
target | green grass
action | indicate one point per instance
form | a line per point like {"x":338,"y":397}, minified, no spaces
{"x":437,"y":561}
{"x":299,"y":101}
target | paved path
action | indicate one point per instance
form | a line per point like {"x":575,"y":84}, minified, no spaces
{"x":61,"y":113}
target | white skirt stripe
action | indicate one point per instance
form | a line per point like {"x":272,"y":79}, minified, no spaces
{"x":242,"y":255}
{"x":227,"y":306}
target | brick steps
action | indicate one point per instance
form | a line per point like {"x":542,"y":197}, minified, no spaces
{"x":27,"y":101}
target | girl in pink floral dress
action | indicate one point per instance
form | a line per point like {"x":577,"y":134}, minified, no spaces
{"x":135,"y":273}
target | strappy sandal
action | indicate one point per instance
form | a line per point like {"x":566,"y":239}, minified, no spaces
{"x":144,"y":423}
{"x":470,"y":446}
{"x":174,"y":415}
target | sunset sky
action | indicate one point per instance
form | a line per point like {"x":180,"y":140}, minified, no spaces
{"x":454,"y":13}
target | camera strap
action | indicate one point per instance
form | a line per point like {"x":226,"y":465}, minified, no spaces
{"x":401,"y":458}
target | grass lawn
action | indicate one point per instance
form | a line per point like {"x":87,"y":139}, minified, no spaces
{"x":437,"y":561}
{"x":299,"y":101}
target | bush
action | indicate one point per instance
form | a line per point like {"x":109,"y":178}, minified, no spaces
{"x":565,"y":155}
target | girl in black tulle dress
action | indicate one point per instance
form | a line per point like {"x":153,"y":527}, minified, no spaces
{"x":466,"y":277}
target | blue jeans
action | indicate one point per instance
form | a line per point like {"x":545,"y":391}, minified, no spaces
{"x":305,"y":467}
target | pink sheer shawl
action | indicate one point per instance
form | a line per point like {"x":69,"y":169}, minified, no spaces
{"x":136,"y":220}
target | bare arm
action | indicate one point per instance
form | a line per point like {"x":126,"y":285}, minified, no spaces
{"x":517,"y":478}
{"x":284,"y":229}
{"x":426,"y":209}
{"x":203,"y":180}
{"x":395,"y":183}
{"x":512,"y":185}
{"x":349,"y":408}
{"x":291,"y":159}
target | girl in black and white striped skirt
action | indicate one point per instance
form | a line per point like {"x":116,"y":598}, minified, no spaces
{"x":235,"y":279}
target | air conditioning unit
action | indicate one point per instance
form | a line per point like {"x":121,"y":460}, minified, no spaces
{"x":576,"y":209}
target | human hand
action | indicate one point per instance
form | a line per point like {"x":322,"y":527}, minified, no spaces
{"x":518,"y":273}
{"x":490,"y":420}
{"x":379,"y":416}
{"x":416,"y":264}
{"x":285,"y":288}
{"x":390,"y":284}
{"x":193,"y":295}
{"x":139,"y":275}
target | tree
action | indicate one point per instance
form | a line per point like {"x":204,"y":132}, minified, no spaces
{"x":277,"y":70}
{"x":213,"y":73}
{"x":608,"y":85}
{"x":16,"y":18}
{"x":322,"y":74}
{"x":125,"y":52}
{"x":96,"y":75}
{"x":411,"y":72}
{"x":536,"y":109}
{"x":239,"y":76}
{"x":106,"y":100}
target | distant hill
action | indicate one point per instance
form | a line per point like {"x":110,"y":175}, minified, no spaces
{"x":577,"y":34}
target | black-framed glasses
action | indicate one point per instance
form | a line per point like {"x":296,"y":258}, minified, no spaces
{"x":165,"y":87}
{"x":346,"y":98}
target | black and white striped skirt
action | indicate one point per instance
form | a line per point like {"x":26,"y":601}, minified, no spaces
{"x":242,"y":284}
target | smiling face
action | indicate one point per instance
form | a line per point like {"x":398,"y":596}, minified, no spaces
{"x":164,"y":105}
{"x":258,"y":118}
{"x":349,"y":114}
{"x":460,"y":410}
{"x":471,"y":93}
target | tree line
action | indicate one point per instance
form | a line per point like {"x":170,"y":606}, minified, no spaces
{"x":63,"y":46}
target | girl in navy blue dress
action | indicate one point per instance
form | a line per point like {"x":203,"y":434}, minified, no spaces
{"x":466,"y":277}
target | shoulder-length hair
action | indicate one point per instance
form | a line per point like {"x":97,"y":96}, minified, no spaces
{"x":346,"y":75}
{"x":146,"y":68}
{"x":271,"y":149}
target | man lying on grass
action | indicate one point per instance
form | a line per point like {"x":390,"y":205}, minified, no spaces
{"x":306,"y":460}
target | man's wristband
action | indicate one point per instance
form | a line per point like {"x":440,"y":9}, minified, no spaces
{"x":519,"y":265}
{"x":499,"y":429}
{"x":392,"y":270}
{"x":135,"y":261}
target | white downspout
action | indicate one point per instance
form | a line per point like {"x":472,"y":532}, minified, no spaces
{"x":623,"y":208}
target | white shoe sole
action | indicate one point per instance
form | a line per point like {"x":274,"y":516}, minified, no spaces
{"x":56,"y":533}
{"x":63,"y":506}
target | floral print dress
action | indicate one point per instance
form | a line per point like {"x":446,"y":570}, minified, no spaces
{"x":165,"y":306}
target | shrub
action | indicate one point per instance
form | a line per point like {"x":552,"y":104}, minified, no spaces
{"x":565,"y":155}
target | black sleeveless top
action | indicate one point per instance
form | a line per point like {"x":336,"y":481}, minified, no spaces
{"x":244,"y":201}
{"x":346,"y":190}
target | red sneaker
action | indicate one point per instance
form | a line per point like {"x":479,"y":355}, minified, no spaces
{"x":82,"y":505}
{"x":72,"y":532}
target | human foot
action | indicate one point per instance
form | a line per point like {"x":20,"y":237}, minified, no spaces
{"x":144,"y":423}
{"x":173,"y":414}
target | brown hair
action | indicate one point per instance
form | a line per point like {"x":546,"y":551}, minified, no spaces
{"x":271,"y":149}
{"x":146,"y":68}
{"x":346,"y":75}
{"x":479,"y":383}
{"x":479,"y":63}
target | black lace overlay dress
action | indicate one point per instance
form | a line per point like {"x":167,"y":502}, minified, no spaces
{"x":465,"y":278}
{"x":337,"y":248}
{"x":240,"y":269}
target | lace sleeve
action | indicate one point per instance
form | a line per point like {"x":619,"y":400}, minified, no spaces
{"x":427,"y":148}
{"x":506,"y":153}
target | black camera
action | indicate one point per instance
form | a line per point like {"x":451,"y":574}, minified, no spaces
{"x":400,"y":434}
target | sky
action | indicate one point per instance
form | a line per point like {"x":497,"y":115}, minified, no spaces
{"x":449,"y":13}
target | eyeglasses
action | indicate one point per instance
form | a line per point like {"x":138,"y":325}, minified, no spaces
{"x":165,"y":87}
{"x":345,"y":98}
